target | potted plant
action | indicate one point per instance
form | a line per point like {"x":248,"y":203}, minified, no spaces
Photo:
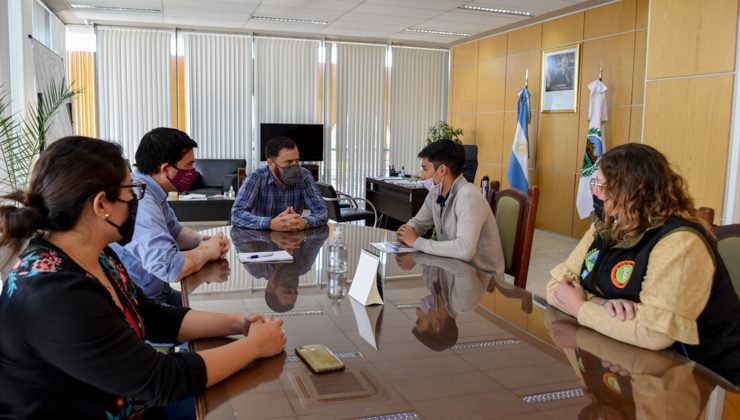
{"x":442,"y":130}
{"x":22,"y":139}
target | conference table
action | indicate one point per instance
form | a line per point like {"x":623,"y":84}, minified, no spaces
{"x":449,"y":342}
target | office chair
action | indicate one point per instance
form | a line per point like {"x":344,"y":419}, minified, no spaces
{"x":346,"y":214}
{"x":515,"y":216}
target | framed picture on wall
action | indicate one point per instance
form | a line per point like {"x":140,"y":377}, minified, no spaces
{"x":560,"y":79}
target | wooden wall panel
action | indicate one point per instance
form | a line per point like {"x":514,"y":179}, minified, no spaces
{"x":558,"y":142}
{"x":565,"y":30}
{"x":613,"y":18}
{"x":557,"y":200}
{"x":636,"y":124}
{"x":464,"y":88}
{"x":493,"y":172}
{"x":638,"y":74}
{"x":516,"y":67}
{"x":489,"y":134}
{"x":689,"y":121}
{"x":641,"y":19}
{"x":465,"y":54}
{"x":467,"y":123}
{"x":491,"y":85}
{"x":616,"y":54}
{"x":689,"y":37}
{"x":524,"y":39}
{"x":493,"y":47}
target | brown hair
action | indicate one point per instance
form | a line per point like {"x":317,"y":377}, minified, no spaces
{"x":67,"y":175}
{"x":641,"y":182}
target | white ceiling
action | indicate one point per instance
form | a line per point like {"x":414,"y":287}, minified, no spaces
{"x":368,"y":20}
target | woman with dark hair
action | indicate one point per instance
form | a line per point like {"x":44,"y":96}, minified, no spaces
{"x":73,"y":325}
{"x":650,"y":274}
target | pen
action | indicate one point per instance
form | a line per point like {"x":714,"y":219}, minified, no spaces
{"x":268,"y":254}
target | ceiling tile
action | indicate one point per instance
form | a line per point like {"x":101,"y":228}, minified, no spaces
{"x":295,"y":13}
{"x":368,"y":26}
{"x":219,"y":24}
{"x":338,"y":5}
{"x":421,"y":4}
{"x":490,"y":20}
{"x":393,"y":20}
{"x":221,"y":6}
{"x":381,"y":9}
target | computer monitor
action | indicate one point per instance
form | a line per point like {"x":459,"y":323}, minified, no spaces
{"x":308,"y":137}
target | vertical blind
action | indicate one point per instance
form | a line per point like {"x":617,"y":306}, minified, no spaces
{"x":286,"y":78}
{"x":134,"y":83}
{"x":418,"y":101}
{"x":218,"y":94}
{"x":360,"y":82}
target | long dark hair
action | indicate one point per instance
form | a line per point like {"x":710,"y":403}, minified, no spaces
{"x":642,"y":183}
{"x":67,"y":175}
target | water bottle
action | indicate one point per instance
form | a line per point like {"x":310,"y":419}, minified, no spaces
{"x":337,"y":253}
{"x":485,"y":186}
{"x":230,"y":193}
{"x":403,"y":172}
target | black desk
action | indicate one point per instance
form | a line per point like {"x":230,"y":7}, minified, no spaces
{"x":398,"y":203}
{"x":213,"y":209}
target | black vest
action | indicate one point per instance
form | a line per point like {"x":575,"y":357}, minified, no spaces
{"x":616,"y":271}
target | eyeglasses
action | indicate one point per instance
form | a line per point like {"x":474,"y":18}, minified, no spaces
{"x":137,"y":189}
{"x":594,"y":182}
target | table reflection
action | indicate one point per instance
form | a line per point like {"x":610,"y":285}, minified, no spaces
{"x":449,"y":342}
{"x":628,"y":382}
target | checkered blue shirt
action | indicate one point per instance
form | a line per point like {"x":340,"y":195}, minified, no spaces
{"x":260,"y":199}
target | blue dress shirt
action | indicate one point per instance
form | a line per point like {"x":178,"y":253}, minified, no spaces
{"x":152,"y":258}
{"x":260,"y":199}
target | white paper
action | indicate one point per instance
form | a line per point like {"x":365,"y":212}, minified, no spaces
{"x":369,"y":320}
{"x":392,"y":247}
{"x":364,"y":284}
{"x":193,"y":197}
{"x":272,"y":256}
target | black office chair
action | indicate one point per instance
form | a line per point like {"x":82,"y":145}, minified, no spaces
{"x":470,"y":167}
{"x":346,"y":214}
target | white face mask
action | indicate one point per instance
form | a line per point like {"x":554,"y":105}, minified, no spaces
{"x":431,"y":186}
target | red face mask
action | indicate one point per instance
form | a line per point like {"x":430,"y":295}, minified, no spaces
{"x":184,"y":179}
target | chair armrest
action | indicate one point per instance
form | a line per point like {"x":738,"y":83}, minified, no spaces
{"x":345,"y":197}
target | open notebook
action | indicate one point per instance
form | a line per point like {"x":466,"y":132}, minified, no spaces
{"x":272,"y":256}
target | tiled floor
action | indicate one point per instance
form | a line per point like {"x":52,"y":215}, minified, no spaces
{"x":548,"y":250}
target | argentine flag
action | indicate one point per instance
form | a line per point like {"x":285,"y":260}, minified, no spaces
{"x":595,"y":147}
{"x":517,"y":173}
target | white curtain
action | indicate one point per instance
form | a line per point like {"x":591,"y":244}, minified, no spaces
{"x":134,"y":84}
{"x":418,"y":101}
{"x":218,"y":94}
{"x":360,"y":79}
{"x":286,"y":80}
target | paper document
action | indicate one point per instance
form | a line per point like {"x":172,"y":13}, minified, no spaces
{"x":274,"y":256}
{"x":392,"y":247}
{"x":193,"y":197}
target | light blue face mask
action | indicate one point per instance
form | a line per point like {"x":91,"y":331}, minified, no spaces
{"x":431,"y":186}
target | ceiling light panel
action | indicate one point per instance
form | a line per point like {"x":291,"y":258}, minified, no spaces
{"x":435,"y":32}
{"x":289,"y":20}
{"x":85,"y":7}
{"x":496,"y":10}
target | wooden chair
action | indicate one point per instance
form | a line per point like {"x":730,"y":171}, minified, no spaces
{"x":515,"y":216}
{"x":340,"y":213}
{"x":728,"y":245}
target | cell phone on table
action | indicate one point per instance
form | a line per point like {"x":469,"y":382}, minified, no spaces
{"x":318,"y":358}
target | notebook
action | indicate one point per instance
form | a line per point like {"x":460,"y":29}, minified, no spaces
{"x":272,"y":256}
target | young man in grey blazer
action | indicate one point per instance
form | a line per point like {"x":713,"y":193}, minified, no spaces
{"x":464,"y":223}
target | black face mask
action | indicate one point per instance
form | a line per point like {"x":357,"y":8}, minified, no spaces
{"x":598,"y":208}
{"x":126,"y":229}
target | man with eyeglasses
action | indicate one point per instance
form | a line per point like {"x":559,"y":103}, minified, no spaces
{"x":162,"y":251}
{"x":274,"y":196}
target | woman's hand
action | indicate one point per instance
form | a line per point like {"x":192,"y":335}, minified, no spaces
{"x":569,"y":297}
{"x":622,"y":309}
{"x":268,"y":336}
{"x":247,"y":320}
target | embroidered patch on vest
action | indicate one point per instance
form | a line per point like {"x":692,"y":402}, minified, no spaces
{"x":590,"y":259}
{"x":622,"y":272}
{"x":611,"y":382}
